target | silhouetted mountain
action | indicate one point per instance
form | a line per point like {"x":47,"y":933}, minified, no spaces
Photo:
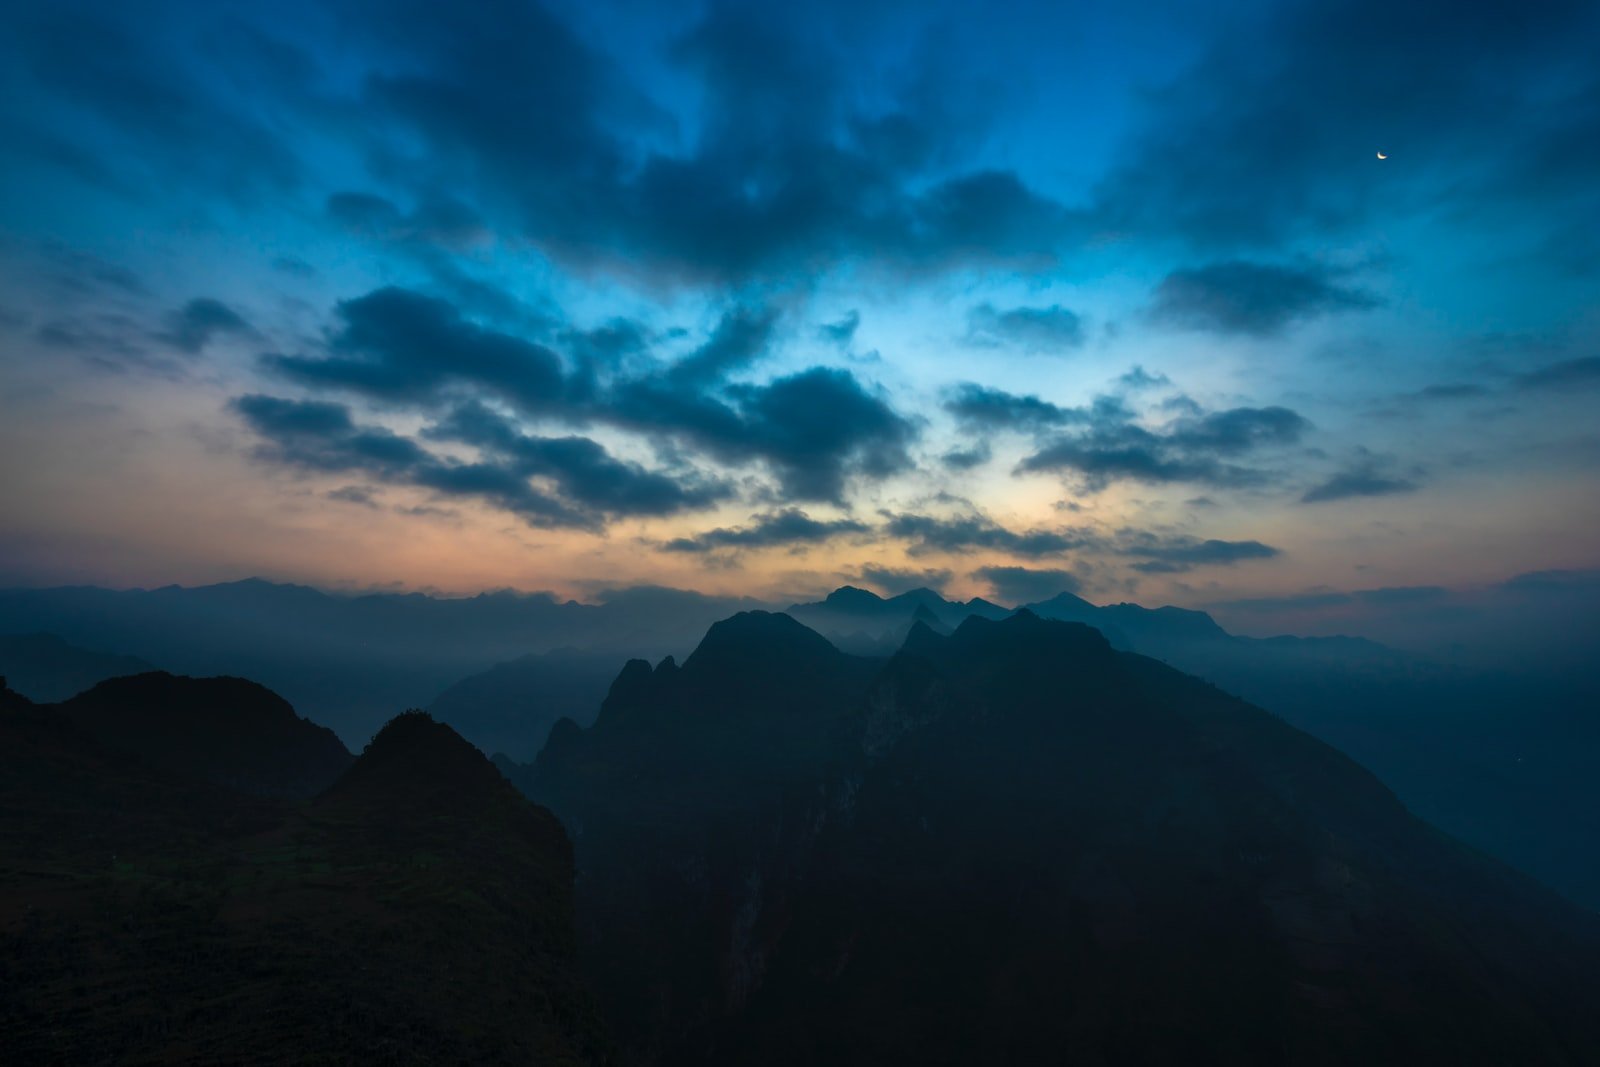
{"x":510,"y":707}
{"x":227,"y":731}
{"x":420,"y":911}
{"x":47,"y":669}
{"x":1017,"y":844}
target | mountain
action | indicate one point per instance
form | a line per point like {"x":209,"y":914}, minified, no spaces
{"x":47,"y":669}
{"x":227,"y":731}
{"x":510,"y":707}
{"x":1016,"y":843}
{"x":1496,"y":757}
{"x":419,"y":911}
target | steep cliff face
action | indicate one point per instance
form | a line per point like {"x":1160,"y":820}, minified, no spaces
{"x":1017,"y":844}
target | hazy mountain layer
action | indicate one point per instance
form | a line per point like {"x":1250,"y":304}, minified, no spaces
{"x":44,"y":668}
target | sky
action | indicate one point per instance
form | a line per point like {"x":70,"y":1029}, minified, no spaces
{"x":763,"y":299}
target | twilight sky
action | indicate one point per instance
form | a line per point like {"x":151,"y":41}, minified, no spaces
{"x":763,"y":298}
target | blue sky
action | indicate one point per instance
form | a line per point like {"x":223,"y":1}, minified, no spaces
{"x":563,"y":296}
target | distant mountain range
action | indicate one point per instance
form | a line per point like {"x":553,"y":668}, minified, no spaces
{"x":1015,"y":843}
{"x":511,"y":707}
{"x":45,"y":668}
{"x":349,"y":661}
{"x":419,"y":910}
{"x":1497,"y":757}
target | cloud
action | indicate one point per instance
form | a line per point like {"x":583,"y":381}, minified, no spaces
{"x":966,"y":459}
{"x":354,"y":494}
{"x":585,"y":472}
{"x":1022,"y":585}
{"x":1180,"y":555}
{"x":1190,"y":449}
{"x":1269,"y":137}
{"x":1368,"y":475}
{"x":961,"y":534}
{"x":788,"y":173}
{"x":842,"y":331}
{"x":1239,"y":297}
{"x":816,"y":429}
{"x":1570,"y":374}
{"x":787,"y":528}
{"x":740,"y":337}
{"x":192,"y":327}
{"x":1445,"y":391}
{"x":396,"y":344}
{"x":581,"y":483}
{"x":1137,"y":379}
{"x":441,"y":221}
{"x":994,"y":409}
{"x":116,"y":103}
{"x":1047,"y":329}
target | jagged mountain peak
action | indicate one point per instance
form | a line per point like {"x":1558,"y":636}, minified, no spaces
{"x":759,"y":637}
{"x":418,"y":763}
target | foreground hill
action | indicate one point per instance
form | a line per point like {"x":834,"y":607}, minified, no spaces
{"x":1017,"y":844}
{"x":419,"y":911}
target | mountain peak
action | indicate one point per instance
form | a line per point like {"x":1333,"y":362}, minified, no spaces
{"x":229,"y":731}
{"x":851,"y":598}
{"x":761,"y":637}
{"x":418,"y":764}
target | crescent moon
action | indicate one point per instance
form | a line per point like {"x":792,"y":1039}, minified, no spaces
{"x":1382,"y":156}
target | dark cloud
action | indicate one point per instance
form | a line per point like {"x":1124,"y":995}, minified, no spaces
{"x":968,"y":533}
{"x":816,"y":429}
{"x":788,"y":528}
{"x":1046,"y":329}
{"x":396,"y":344}
{"x":1452,"y":391}
{"x":966,"y":459}
{"x":354,"y":494}
{"x":787,"y":174}
{"x":1137,"y":378}
{"x":293,"y":266}
{"x":586,"y":474}
{"x":740,"y":337}
{"x":143,"y":116}
{"x":1179,"y":555}
{"x":1270,"y":137}
{"x":843,"y":331}
{"x":583,"y":483}
{"x":1237,"y":430}
{"x":1239,"y":297}
{"x":437,"y":220}
{"x":193,"y":326}
{"x":1570,"y":374}
{"x":1023,"y":585}
{"x":1368,"y":475}
{"x":995,"y":409}
{"x":1191,"y":449}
